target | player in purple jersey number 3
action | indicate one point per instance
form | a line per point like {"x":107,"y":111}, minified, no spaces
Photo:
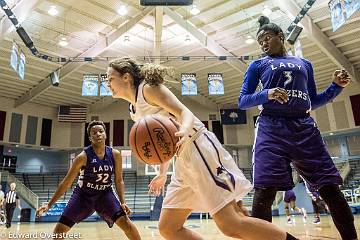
{"x":94,"y":191}
{"x":285,"y":133}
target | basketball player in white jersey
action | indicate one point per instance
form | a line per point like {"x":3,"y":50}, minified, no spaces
{"x":206,"y":177}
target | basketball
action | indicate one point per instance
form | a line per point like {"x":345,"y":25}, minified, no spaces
{"x":152,"y":139}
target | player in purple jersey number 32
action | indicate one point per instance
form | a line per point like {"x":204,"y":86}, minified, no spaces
{"x":94,"y":191}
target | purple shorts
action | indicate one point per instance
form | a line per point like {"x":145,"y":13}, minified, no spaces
{"x":82,"y":205}
{"x":289,"y":196}
{"x":280,"y":141}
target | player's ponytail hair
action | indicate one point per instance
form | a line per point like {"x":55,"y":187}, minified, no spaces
{"x":266,"y":25}
{"x":153,"y":74}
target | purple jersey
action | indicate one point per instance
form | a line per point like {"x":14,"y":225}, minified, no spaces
{"x":293,"y":74}
{"x":96,"y":175}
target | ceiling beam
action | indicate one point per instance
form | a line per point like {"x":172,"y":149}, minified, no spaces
{"x":101,"y":46}
{"x":321,"y":40}
{"x":348,"y":21}
{"x":205,"y":40}
{"x":21,"y":11}
{"x":159,"y":13}
{"x":176,"y":87}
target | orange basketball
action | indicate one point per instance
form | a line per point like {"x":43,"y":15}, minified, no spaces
{"x":152,"y":139}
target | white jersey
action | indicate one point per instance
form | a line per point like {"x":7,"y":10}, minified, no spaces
{"x":143,"y":108}
{"x":201,"y":169}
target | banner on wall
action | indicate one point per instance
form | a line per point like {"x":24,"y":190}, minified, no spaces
{"x":14,"y":56}
{"x":215,"y":84}
{"x":337,"y":14}
{"x":233,"y":116}
{"x":104,"y":89}
{"x":21,"y":69}
{"x":351,"y":6}
{"x":298,"y":49}
{"x":188,"y":84}
{"x":90,"y":85}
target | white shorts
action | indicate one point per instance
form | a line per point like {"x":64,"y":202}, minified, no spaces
{"x":193,"y":185}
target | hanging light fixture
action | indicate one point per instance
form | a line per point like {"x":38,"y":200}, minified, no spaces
{"x":249,"y":39}
{"x":187,"y":39}
{"x":194,"y":10}
{"x":122,"y":11}
{"x":63,"y":42}
{"x":53,"y":11}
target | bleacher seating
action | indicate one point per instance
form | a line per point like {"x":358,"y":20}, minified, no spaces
{"x":353,"y":179}
{"x":136,"y":188}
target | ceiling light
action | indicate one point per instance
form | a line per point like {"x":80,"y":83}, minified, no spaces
{"x":126,"y":40}
{"x":53,"y":11}
{"x":63,"y":42}
{"x":187,"y":39}
{"x":42,"y":148}
{"x":249,"y":40}
{"x":122,"y":11}
{"x":267,"y":11}
{"x":194,"y":10}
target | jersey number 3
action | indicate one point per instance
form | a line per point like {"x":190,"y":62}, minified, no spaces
{"x":289,"y":78}
{"x":103,"y":177}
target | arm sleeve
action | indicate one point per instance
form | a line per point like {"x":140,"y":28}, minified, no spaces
{"x":318,"y":100}
{"x":248,"y":98}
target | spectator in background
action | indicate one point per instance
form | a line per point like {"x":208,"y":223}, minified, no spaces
{"x":11,"y":202}
{"x":2,"y":195}
{"x":2,"y":215}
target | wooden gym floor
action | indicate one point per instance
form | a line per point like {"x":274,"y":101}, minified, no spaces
{"x":148,"y":230}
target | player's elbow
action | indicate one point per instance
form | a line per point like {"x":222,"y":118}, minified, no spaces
{"x":241,"y":103}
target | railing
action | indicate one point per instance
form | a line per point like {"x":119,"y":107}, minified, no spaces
{"x":135,"y":193}
{"x":345,"y":170}
{"x":42,"y":169}
{"x":29,"y":196}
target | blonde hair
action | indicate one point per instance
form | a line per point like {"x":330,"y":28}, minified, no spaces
{"x":153,"y":74}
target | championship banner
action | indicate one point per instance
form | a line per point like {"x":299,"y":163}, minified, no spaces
{"x":188,"y":84}
{"x":104,"y":89}
{"x":351,"y":6}
{"x":21,"y":69}
{"x":215,"y":84}
{"x":337,"y":14}
{"x":90,"y":85}
{"x":14,"y":56}
{"x":298,"y":49}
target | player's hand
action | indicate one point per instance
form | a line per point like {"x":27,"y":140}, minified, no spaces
{"x":157,"y":184}
{"x":278,"y":94}
{"x":341,"y":78}
{"x":126,"y":209}
{"x":183,"y":134}
{"x":41,"y":210}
